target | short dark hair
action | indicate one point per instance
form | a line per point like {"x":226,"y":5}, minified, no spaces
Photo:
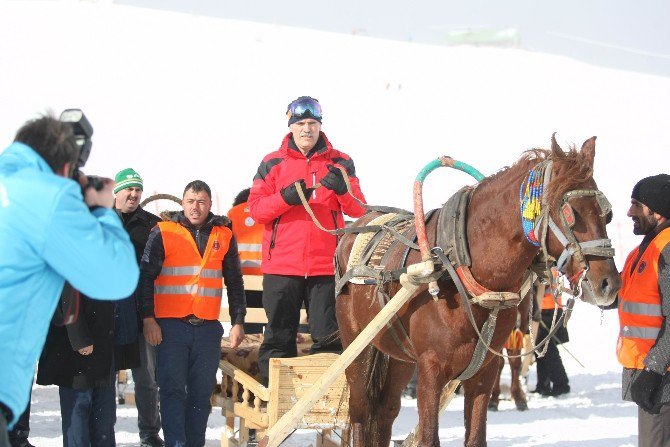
{"x":197,"y":186}
{"x":242,"y":196}
{"x":52,"y":139}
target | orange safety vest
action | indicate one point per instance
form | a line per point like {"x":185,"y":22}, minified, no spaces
{"x":249,"y":237}
{"x":640,"y":316}
{"x":190,"y":283}
{"x":548,"y":301}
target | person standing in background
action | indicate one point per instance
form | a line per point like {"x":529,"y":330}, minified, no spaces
{"x":132,"y":350}
{"x":249,"y":237}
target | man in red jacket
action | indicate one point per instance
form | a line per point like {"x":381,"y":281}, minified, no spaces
{"x":297,"y":256}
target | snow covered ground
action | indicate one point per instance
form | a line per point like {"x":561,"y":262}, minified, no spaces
{"x":180,"y":96}
{"x":592,"y":415}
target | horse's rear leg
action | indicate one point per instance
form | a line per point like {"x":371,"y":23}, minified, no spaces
{"x":517,"y":392}
{"x":398,"y":376}
{"x":430,"y":383}
{"x":477,"y":391}
{"x":495,"y":393}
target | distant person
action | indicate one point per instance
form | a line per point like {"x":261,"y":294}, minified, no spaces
{"x":48,"y":236}
{"x":297,"y":255}
{"x":552,"y":380}
{"x":181,"y":290}
{"x":132,"y":350}
{"x":643,"y":347}
{"x":249,"y":235}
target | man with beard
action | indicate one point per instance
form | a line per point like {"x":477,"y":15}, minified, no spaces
{"x":643,"y":347}
{"x":131,"y":348}
{"x":181,"y":291}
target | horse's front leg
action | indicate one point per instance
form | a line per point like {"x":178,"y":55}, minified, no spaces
{"x":495,"y":393}
{"x":517,"y":392}
{"x":397,"y":376}
{"x":477,"y":391}
{"x":431,"y":380}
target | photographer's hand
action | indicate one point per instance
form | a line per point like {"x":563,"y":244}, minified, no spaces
{"x":94,"y":197}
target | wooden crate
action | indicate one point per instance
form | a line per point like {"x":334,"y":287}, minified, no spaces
{"x":290,"y":378}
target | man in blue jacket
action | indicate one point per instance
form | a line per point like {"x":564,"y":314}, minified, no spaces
{"x":48,"y":236}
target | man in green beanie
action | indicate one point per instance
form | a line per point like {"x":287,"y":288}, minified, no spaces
{"x":138,"y":223}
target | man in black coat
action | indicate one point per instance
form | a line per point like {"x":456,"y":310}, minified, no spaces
{"x":132,"y":349}
{"x":79,"y":358}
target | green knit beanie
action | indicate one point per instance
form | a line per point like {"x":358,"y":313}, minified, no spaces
{"x":126,"y":179}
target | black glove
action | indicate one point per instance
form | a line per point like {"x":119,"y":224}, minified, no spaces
{"x":290,"y":194}
{"x":334,"y":181}
{"x":642,"y":390}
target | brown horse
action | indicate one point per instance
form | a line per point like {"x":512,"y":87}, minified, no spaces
{"x":439,"y":336}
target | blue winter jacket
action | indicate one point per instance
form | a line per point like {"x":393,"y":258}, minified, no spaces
{"x":47,"y":236}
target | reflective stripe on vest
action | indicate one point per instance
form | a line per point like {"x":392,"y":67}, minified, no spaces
{"x":249,"y":236}
{"x":190,"y":283}
{"x":640,"y":316}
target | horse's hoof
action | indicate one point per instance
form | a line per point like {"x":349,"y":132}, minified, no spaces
{"x":521,"y":406}
{"x":493,"y":406}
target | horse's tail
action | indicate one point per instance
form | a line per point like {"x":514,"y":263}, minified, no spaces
{"x":375,"y":377}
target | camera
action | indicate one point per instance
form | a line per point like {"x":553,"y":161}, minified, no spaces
{"x":83,"y":131}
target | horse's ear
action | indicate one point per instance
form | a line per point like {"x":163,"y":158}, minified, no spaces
{"x":555,"y":148}
{"x":589,"y":150}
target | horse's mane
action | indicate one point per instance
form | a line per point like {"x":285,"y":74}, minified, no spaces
{"x":574,"y":170}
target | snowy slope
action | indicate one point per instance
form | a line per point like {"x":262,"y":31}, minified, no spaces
{"x":179,"y":97}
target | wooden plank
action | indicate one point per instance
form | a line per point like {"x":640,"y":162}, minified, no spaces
{"x":256,"y":315}
{"x":284,"y":426}
{"x":251,"y":282}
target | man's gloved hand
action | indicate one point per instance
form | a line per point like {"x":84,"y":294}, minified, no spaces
{"x":643,"y":388}
{"x":334,"y":181}
{"x":290,"y":194}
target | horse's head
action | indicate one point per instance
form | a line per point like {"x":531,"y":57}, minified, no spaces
{"x":576,"y":233}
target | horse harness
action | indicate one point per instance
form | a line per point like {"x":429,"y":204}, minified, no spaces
{"x":371,"y":254}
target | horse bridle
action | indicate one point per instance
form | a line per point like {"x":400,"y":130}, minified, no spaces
{"x":572,"y":248}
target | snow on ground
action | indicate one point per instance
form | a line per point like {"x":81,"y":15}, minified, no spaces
{"x":592,"y":415}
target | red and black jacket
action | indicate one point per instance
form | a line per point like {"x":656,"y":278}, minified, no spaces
{"x":292,"y":243}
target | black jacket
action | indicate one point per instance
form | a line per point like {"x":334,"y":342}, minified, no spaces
{"x":154,"y":255}
{"x":127,"y":317}
{"x":61,"y":364}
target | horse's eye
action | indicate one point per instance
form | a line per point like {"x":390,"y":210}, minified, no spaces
{"x":608,"y":218}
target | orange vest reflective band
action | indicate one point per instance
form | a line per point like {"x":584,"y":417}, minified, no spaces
{"x":640,"y":317}
{"x":190,"y":283}
{"x":249,"y":237}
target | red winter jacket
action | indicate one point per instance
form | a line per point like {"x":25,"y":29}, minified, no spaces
{"x":292,"y":243}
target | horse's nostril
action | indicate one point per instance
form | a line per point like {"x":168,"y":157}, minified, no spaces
{"x":605,"y":287}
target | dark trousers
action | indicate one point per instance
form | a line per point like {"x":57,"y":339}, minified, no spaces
{"x":21,"y":430}
{"x":88,"y":416}
{"x":653,"y":430}
{"x":254,"y":299}
{"x":283,"y":296}
{"x":146,"y":391}
{"x":4,"y":439}
{"x":186,"y":364}
{"x":550,"y":370}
